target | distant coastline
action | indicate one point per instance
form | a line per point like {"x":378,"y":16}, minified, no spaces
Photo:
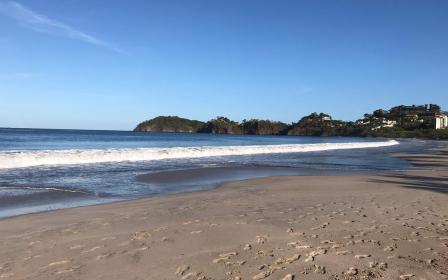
{"x":416,"y":121}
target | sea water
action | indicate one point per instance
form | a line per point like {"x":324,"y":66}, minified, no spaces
{"x":44,"y":169}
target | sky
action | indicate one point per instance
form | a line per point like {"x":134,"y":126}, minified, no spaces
{"x":91,"y":64}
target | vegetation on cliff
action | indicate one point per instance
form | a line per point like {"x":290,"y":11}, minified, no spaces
{"x":321,"y":125}
{"x":402,"y":122}
{"x":169,"y":124}
{"x":397,"y":122}
{"x":220,"y":125}
{"x":263,"y":127}
{"x":435,"y":134}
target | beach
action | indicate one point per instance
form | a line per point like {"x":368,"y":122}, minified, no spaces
{"x":223,"y":140}
{"x":380,"y":226}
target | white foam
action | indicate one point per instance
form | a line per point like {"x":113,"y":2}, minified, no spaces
{"x":19,"y":159}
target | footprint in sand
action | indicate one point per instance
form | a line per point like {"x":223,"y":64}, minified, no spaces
{"x":141,"y":235}
{"x":319,"y":269}
{"x":288,"y":277}
{"x":362,"y":256}
{"x":336,"y":246}
{"x":389,"y":249}
{"x":239,"y":263}
{"x":352,"y":271}
{"x":381,"y":265}
{"x":247,"y":247}
{"x":224,"y":257}
{"x":289,"y":260}
{"x":310,"y":256}
{"x":182,"y":269}
{"x":261,"y":239}
{"x":262,"y":275}
{"x":344,"y":253}
{"x":266,"y":273}
{"x":191,"y":275}
{"x":322,"y":226}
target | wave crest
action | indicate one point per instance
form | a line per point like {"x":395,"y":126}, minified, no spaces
{"x":20,"y":159}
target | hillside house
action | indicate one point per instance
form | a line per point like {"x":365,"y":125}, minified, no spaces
{"x":440,"y":121}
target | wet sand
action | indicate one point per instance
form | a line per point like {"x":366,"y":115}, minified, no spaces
{"x":384,"y":226}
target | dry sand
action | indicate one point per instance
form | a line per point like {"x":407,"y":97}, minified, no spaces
{"x":389,"y":226}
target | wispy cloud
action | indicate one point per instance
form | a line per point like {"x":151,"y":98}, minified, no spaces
{"x":22,"y":75}
{"x":17,"y":76}
{"x":42,"y":23}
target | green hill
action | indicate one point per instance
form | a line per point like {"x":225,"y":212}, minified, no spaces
{"x":397,"y":122}
{"x":169,"y":124}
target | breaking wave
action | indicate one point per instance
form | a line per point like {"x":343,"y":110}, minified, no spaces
{"x":20,"y":159}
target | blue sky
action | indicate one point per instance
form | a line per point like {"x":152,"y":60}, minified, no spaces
{"x":111,"y":64}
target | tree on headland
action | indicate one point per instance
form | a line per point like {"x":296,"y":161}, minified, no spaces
{"x":169,"y":124}
{"x":263,"y":127}
{"x":319,"y":125}
{"x":399,"y":121}
{"x":220,"y":125}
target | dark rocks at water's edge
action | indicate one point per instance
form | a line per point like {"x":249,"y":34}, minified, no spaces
{"x":425,"y":121}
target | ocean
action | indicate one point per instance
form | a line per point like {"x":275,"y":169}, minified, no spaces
{"x":45,"y":169}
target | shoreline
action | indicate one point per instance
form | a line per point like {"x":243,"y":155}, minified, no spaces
{"x":211,"y":185}
{"x":313,"y":227}
{"x":201,"y":174}
{"x":187,"y":180}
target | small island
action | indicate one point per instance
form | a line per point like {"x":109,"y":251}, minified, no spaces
{"x":169,"y":124}
{"x":415,"y":121}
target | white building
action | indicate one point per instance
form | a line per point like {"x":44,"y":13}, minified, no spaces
{"x":385,"y":123}
{"x":388,"y":123}
{"x":440,"y":121}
